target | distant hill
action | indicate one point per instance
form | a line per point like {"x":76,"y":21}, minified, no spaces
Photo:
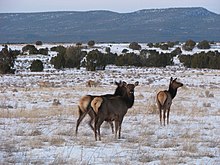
{"x":151,"y":25}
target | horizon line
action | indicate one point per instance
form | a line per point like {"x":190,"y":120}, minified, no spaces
{"x":92,"y":10}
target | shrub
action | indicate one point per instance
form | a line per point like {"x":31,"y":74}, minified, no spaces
{"x":78,"y":44}
{"x":43,"y":51}
{"x":170,"y":44}
{"x":58,"y":61}
{"x":37,"y":66}
{"x":157,"y":45}
{"x":7,"y":59}
{"x":128,"y":59}
{"x":202,"y":60}
{"x":164,"y":46}
{"x":31,"y":48}
{"x":108,"y":49}
{"x":60,"y":49}
{"x":134,"y":46}
{"x":91,"y":43}
{"x":189,"y":45}
{"x":159,"y":60}
{"x":150,"y":45}
{"x":39,"y":43}
{"x":186,"y":60}
{"x":125,"y":50}
{"x":110,"y":58}
{"x":176,"y":51}
{"x":95,"y":60}
{"x":203,"y":45}
{"x":73,"y":57}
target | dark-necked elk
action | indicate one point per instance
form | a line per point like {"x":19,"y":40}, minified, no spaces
{"x":164,"y":99}
{"x":85,"y":101}
{"x":113,"y":109}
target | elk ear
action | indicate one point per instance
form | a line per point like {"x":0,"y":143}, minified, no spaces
{"x":124,"y":83}
{"x":175,"y":79}
{"x":171,"y":79}
{"x":117,"y":83}
{"x":136,"y":83}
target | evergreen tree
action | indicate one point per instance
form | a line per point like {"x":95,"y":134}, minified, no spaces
{"x":30,"y":48}
{"x":203,"y":45}
{"x":95,"y":60}
{"x":58,"y":61}
{"x":7,"y":59}
{"x":73,"y":57}
{"x":189,"y":45}
{"x":37,"y":66}
{"x":91,"y":43}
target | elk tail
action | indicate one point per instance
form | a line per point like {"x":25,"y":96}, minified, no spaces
{"x":161,"y":97}
{"x":84,"y":102}
{"x":96,"y":103}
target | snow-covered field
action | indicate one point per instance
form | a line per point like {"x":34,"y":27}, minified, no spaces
{"x":38,"y":113}
{"x":34,"y":130}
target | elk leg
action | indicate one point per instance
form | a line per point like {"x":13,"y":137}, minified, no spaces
{"x":164,"y":117}
{"x":95,"y":127}
{"x":92,"y":117}
{"x":119,"y":132}
{"x":160,"y":116}
{"x":81,"y":117}
{"x":98,"y":124}
{"x":112,"y":126}
{"x":116,"y":128}
{"x":168,"y":114}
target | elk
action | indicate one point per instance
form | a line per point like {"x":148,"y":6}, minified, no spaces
{"x":113,"y":109}
{"x":164,"y":99}
{"x":85,"y":101}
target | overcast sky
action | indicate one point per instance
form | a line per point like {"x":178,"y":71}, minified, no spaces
{"x":122,"y":6}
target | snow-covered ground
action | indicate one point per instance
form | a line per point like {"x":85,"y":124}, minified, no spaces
{"x":35,"y":131}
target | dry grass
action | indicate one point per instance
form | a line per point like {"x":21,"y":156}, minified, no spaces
{"x":51,"y":129}
{"x":36,"y":113}
{"x":56,"y":141}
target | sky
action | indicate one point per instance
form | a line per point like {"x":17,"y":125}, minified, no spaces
{"x":121,"y":6}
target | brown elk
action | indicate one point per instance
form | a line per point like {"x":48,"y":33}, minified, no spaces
{"x":164,"y":99}
{"x":85,"y":101}
{"x":113,"y":109}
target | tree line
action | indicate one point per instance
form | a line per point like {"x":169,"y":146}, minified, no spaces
{"x":76,"y":57}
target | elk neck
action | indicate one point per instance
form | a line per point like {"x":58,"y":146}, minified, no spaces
{"x":129,"y":99}
{"x":119,"y":91}
{"x":172,"y":91}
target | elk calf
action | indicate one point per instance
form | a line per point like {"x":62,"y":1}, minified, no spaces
{"x":164,"y":99}
{"x":113,"y":109}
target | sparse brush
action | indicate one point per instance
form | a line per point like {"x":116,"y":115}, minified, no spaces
{"x":152,"y":109}
{"x":35,"y":143}
{"x":20,"y":132}
{"x":190,"y":147}
{"x":206,"y":104}
{"x":208,"y":94}
{"x":168,"y":144}
{"x":35,"y":132}
{"x":146,"y":158}
{"x":57,"y":141}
